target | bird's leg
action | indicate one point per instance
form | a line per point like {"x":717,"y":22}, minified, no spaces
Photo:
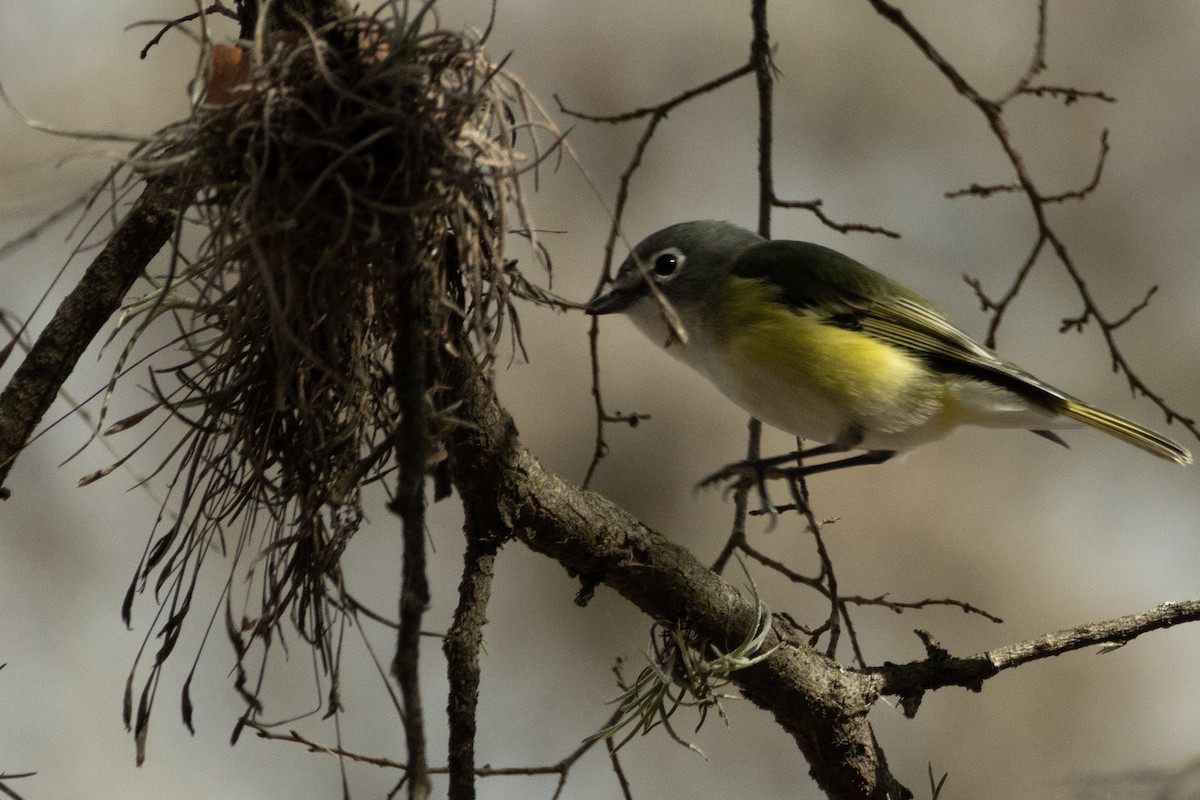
{"x":763,"y":465}
{"x":870,"y":457}
{"x":794,"y":475}
{"x":758,"y":470}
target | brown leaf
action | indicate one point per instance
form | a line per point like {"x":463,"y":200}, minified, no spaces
{"x":228,"y":74}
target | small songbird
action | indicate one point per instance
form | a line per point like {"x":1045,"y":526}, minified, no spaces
{"x":815,"y":344}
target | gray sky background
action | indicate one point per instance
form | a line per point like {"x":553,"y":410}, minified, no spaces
{"x":1042,"y":536}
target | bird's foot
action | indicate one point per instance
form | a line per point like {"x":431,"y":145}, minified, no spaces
{"x":744,"y":474}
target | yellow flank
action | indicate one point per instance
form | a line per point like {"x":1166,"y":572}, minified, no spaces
{"x":814,"y":379}
{"x":1128,"y":431}
{"x":871,"y":382}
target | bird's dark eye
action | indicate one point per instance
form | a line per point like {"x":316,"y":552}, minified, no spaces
{"x":665,"y":264}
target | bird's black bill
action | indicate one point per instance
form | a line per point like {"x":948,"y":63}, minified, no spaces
{"x":612,"y":301}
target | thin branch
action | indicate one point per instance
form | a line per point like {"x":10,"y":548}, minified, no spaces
{"x":603,"y":417}
{"x":999,"y":307}
{"x":1068,"y":94}
{"x":984,"y":191}
{"x":7,"y":792}
{"x":1135,"y":309}
{"x":737,"y":536}
{"x":1037,"y":64}
{"x":561,"y":768}
{"x":841,"y":227}
{"x":265,"y":732}
{"x":412,"y":442}
{"x":660,"y":110}
{"x":911,"y":680}
{"x":461,"y":647}
{"x":900,"y":607}
{"x":993,"y":112}
{"x":784,"y":569}
{"x":4,"y":776}
{"x":833,"y":621}
{"x":764,"y":81}
{"x":167,"y":26}
{"x":1090,"y":186}
{"x":657,"y":114}
{"x":852,"y":635}
{"x":623,"y":781}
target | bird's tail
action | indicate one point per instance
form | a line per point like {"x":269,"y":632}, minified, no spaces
{"x":1128,"y":431}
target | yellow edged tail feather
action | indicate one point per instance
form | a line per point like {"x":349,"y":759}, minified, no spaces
{"x":1128,"y":431}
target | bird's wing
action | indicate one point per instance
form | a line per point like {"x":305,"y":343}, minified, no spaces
{"x":815,"y":279}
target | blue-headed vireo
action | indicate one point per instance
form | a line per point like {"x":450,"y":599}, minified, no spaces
{"x":815,"y":344}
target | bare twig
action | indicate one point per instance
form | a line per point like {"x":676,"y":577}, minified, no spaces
{"x":1090,"y":186}
{"x":815,"y":206}
{"x":657,"y":114}
{"x":561,"y":768}
{"x":993,"y":112}
{"x":834,"y":620}
{"x":215,"y":8}
{"x":1068,"y":94}
{"x":900,"y":607}
{"x":461,"y":647}
{"x":978,"y":190}
{"x":409,"y":357}
{"x":737,"y":536}
{"x":1134,"y":310}
{"x":660,"y":110}
{"x":911,"y":680}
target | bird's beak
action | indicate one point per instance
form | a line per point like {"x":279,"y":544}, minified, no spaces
{"x":616,"y":299}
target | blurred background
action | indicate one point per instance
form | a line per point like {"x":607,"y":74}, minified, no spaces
{"x":1042,"y":536}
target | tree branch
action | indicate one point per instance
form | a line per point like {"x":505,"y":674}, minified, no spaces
{"x":409,"y":366}
{"x":461,"y":647}
{"x":910,"y":681}
{"x":823,"y":706}
{"x":993,"y":112}
{"x":145,"y":229}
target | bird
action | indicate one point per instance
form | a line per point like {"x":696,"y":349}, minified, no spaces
{"x":813,"y":343}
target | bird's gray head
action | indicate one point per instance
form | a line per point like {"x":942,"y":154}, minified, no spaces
{"x":686,"y":261}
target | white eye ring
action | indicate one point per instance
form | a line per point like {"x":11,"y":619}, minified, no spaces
{"x":666,"y":263}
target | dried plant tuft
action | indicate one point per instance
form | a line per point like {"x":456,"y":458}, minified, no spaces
{"x":353,"y":187}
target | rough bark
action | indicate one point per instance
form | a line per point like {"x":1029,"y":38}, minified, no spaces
{"x":822,"y":705}
{"x":77,"y":321}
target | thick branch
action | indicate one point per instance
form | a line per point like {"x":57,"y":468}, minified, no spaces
{"x":820,"y":704}
{"x":35,"y":384}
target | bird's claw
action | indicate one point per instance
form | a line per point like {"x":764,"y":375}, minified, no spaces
{"x":743,"y":474}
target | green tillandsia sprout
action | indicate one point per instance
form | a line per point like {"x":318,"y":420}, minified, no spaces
{"x":685,"y":670}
